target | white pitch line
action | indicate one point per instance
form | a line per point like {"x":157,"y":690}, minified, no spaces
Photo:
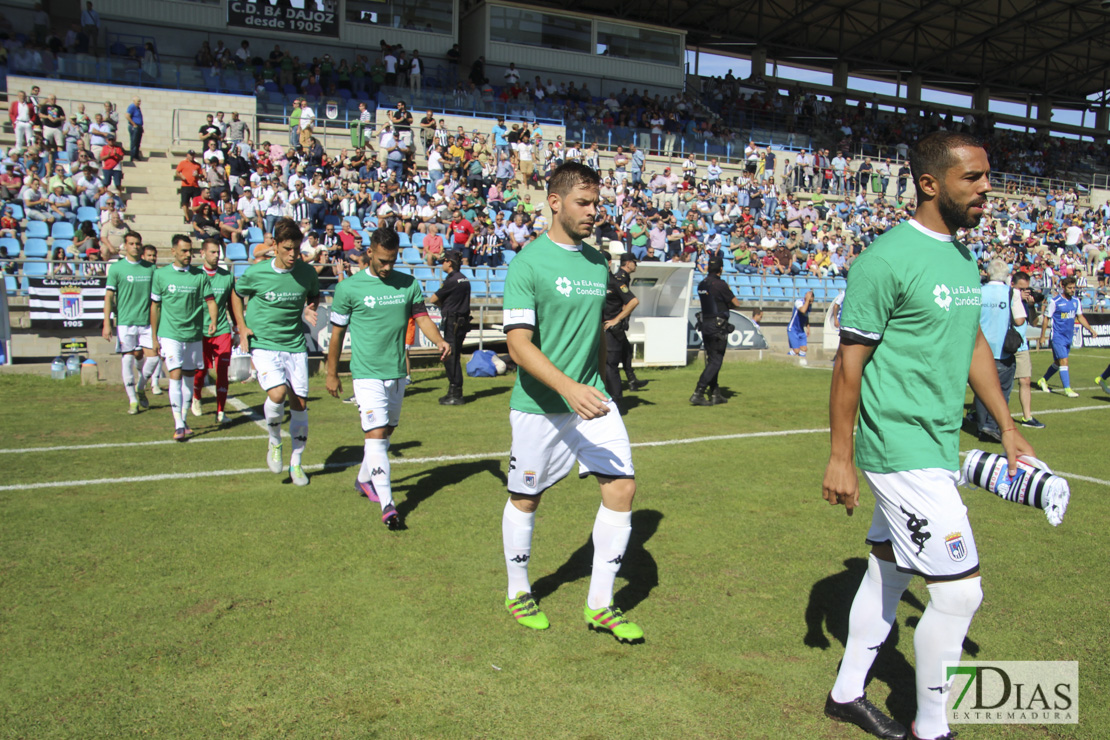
{"x":114,"y":445}
{"x":394,"y":461}
{"x":1073,"y":410}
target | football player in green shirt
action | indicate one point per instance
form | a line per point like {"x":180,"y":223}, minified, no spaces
{"x":910,"y":343}
{"x":554,"y":294}
{"x":128,"y":292}
{"x":179,"y":294}
{"x":278,"y":292}
{"x":217,"y":347}
{"x":375,"y":304}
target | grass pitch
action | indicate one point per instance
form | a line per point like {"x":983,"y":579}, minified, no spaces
{"x":238,"y":605}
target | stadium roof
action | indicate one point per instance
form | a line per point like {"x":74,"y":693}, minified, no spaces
{"x":1015,"y":47}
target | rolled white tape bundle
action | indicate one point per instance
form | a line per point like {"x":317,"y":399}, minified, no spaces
{"x":1034,"y":484}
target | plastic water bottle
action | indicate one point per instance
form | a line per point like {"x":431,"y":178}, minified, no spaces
{"x":58,"y":368}
{"x":73,"y":365}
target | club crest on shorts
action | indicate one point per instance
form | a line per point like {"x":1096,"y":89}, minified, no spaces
{"x":370,"y":415}
{"x":530,"y":478}
{"x":957,"y":549}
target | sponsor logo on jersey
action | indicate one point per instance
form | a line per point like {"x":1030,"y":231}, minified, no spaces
{"x":368,"y":301}
{"x":171,"y":288}
{"x":957,"y":549}
{"x":943,"y":297}
{"x":562,"y":285}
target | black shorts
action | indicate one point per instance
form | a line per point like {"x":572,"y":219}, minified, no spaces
{"x":188,"y":193}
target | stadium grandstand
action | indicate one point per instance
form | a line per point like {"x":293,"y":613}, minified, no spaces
{"x":443,"y":119}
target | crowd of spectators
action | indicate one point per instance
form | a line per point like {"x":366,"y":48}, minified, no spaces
{"x":63,"y":179}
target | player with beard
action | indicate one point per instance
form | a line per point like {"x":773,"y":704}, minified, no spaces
{"x":559,"y":412}
{"x":909,"y":345}
{"x":217,"y":347}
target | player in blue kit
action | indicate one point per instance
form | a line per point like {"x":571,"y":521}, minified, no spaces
{"x":797,"y":331}
{"x":1063,"y":311}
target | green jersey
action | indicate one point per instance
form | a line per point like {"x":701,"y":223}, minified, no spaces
{"x":914,"y":295}
{"x":377,"y":313}
{"x":222,"y":284}
{"x":558,"y":292}
{"x":275,"y":301}
{"x":182,"y":294}
{"x":130,"y":281}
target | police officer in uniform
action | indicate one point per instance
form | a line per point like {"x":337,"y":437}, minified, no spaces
{"x":716,"y":300}
{"x":619,"y":303}
{"x":453,"y":298}
{"x":624,"y":275}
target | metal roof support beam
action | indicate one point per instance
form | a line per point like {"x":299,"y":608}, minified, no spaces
{"x":922,"y":12}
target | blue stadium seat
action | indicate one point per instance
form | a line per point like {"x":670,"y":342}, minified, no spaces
{"x":62,"y":230}
{"x":774,"y":294}
{"x":746,"y":293}
{"x":17,"y":211}
{"x":240,"y":268}
{"x":423,"y":273}
{"x":840,"y":283}
{"x":371,"y":222}
{"x":65,"y":244}
{"x":365,"y":237}
{"x":12,"y":245}
{"x":354,"y":221}
{"x":236,"y":252}
{"x":497,"y":289}
{"x":403,"y":269}
{"x":332,"y":219}
{"x":743,"y":279}
{"x":418,"y":240}
{"x":478,"y":288}
{"x":431,"y":286}
{"x":36,"y":247}
{"x":411,"y":256}
{"x":507,"y":256}
{"x":255,"y":235}
{"x":37,"y":230}
{"x":87,"y":213}
{"x":405,"y":240}
{"x":35,"y":269}
{"x":11,"y":285}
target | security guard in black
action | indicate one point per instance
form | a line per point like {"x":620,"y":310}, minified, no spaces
{"x":619,"y":303}
{"x":453,"y":298}
{"x":716,"y":300}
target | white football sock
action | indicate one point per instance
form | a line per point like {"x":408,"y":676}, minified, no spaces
{"x":128,"y":368}
{"x":186,"y":395}
{"x":376,"y":460}
{"x":869,"y":623}
{"x":175,"y":403}
{"x":298,"y":430}
{"x":611,"y":532}
{"x":516,"y":536}
{"x":274,"y":414}
{"x":939,"y":639}
{"x":150,"y":366}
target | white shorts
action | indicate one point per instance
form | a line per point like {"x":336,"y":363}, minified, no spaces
{"x":132,"y":338}
{"x":920,"y":513}
{"x":545,"y":447}
{"x":181,"y":355}
{"x":276,"y":368}
{"x":379,"y":402}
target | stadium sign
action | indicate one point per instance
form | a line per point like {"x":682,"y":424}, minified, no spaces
{"x":1100,"y":322}
{"x":312,"y":17}
{"x":746,"y":335}
{"x":66,"y":302}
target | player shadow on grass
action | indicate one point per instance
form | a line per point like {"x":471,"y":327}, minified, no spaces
{"x":427,"y":483}
{"x":830,"y":602}
{"x":638,"y":567}
{"x":487,"y":392}
{"x":234,"y":419}
{"x":631,"y":402}
{"x":346,"y":457}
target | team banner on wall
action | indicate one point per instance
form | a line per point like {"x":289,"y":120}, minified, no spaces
{"x":313,"y":17}
{"x":66,"y":302}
